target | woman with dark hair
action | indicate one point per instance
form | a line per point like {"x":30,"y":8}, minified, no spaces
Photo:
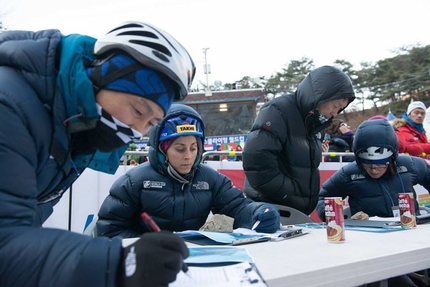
{"x":175,"y":188}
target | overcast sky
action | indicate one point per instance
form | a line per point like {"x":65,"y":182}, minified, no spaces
{"x":245,"y":37}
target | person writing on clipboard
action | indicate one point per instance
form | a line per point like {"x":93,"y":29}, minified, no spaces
{"x":67,"y":103}
{"x":176,"y":189}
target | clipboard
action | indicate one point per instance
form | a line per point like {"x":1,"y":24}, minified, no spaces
{"x":233,"y":275}
{"x":289,"y":233}
{"x":372,"y":223}
{"x":215,"y":266}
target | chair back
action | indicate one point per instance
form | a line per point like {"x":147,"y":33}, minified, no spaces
{"x":291,"y":216}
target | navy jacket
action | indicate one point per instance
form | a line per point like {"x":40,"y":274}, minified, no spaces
{"x":174,"y":205}
{"x":376,"y":197}
{"x":43,"y":83}
{"x":283,"y":148}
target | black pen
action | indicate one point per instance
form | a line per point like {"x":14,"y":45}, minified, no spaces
{"x":154,"y":227}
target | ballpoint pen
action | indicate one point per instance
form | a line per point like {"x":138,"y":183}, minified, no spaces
{"x":154,"y":227}
{"x":258,"y":221}
{"x":151,"y":223}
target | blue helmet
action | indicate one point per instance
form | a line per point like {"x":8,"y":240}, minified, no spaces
{"x":181,"y":125}
{"x":180,"y":120}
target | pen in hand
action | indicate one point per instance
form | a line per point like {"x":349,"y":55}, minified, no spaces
{"x":154,"y":227}
{"x":258,"y":221}
{"x":151,"y":223}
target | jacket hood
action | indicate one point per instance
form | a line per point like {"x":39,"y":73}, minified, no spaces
{"x":156,"y":157}
{"x":378,"y":133}
{"x":397,"y":123}
{"x":322,"y":85}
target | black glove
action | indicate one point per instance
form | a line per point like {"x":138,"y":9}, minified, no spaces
{"x":153,"y":260}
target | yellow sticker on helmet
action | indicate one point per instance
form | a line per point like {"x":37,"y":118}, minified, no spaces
{"x":186,"y":129}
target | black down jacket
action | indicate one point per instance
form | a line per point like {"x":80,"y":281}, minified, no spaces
{"x":283,"y":149}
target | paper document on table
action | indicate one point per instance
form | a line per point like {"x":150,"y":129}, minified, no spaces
{"x":377,"y":218}
{"x":220,"y":238}
{"x":286,"y":232}
{"x":235,"y":275}
{"x":217,"y":254}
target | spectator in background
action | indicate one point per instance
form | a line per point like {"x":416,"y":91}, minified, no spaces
{"x":239,"y":148}
{"x":77,"y":102}
{"x":134,"y":159}
{"x":178,"y":191}
{"x":410,"y":130}
{"x":231,"y":154}
{"x":284,"y":149}
{"x":339,"y":137}
{"x":217,"y":157}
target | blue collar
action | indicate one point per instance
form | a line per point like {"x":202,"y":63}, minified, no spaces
{"x":418,"y":127}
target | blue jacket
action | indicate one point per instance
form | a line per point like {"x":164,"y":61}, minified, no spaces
{"x":173,"y":205}
{"x":43,"y":84}
{"x":376,"y":197}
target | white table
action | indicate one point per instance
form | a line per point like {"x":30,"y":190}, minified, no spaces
{"x":364,"y":257}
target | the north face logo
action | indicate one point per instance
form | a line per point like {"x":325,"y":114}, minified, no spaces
{"x":202,"y":185}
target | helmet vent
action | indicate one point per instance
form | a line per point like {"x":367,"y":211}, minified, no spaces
{"x":139,"y":34}
{"x":131,"y":25}
{"x":160,"y":56}
{"x":155,"y":46}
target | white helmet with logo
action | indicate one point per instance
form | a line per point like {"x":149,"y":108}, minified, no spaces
{"x":375,"y":153}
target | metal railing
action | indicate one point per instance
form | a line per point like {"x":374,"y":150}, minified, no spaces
{"x":206,"y":156}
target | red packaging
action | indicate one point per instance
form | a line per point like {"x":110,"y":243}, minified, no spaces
{"x":334,"y":219}
{"x":407,"y":210}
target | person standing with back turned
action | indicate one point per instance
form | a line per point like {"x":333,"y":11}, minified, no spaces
{"x":68,"y":103}
{"x":283,"y":148}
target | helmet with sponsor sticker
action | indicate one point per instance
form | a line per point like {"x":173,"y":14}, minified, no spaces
{"x":180,"y":120}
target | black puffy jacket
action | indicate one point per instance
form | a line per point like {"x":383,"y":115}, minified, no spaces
{"x":283,"y":148}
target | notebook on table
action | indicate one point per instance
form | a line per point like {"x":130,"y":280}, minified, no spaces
{"x":372,"y":223}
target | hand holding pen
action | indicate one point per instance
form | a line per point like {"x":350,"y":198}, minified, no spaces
{"x":154,"y":227}
{"x":153,"y":260}
{"x":258,"y":221}
{"x":267,"y":219}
